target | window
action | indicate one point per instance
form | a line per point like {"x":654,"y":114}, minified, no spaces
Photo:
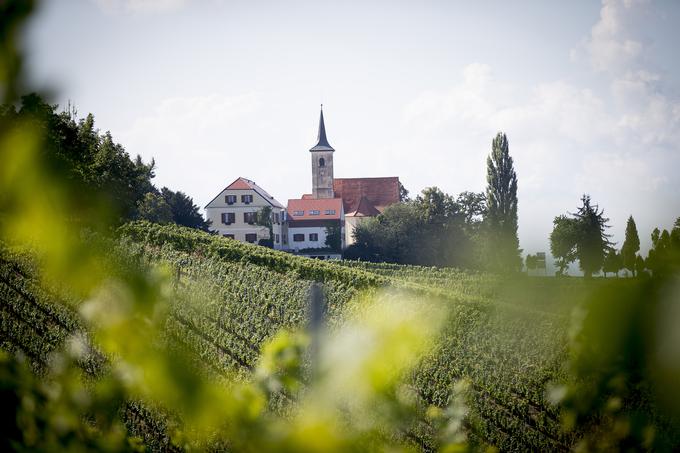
{"x":322,"y":162}
{"x":314,"y":212}
{"x":277,"y":238}
{"x":276,"y":218}
{"x":247,"y":199}
{"x":228,"y":236}
{"x":249,"y":217}
{"x":314,"y":237}
{"x":251,"y":237}
{"x":296,"y":213}
{"x":230,"y":199}
{"x":228,"y":218}
{"x":298,"y":238}
{"x":329,"y":212}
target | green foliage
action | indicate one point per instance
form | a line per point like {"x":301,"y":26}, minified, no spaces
{"x":631,"y":245}
{"x":334,"y":238}
{"x":531,"y":262}
{"x":593,"y":242}
{"x":98,"y":170}
{"x":472,"y":206}
{"x":154,"y":208}
{"x":563,"y":240}
{"x":430,"y":230}
{"x":264,"y":217}
{"x":664,"y":256}
{"x":403,"y":193}
{"x":581,"y":237}
{"x":172,"y":339}
{"x":613,"y":262}
{"x":13,"y":14}
{"x":389,"y":237}
{"x":503,"y":253}
{"x":623,"y":396}
{"x":184,"y":211}
{"x":190,"y":240}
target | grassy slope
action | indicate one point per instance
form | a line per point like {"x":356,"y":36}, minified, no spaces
{"x":508,"y":338}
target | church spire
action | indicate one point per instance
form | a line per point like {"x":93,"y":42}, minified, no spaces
{"x":322,"y":142}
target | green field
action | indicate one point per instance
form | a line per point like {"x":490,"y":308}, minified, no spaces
{"x":507,"y":337}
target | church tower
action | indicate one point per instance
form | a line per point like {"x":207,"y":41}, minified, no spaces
{"x":322,"y":164}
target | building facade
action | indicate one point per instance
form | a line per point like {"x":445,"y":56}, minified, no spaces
{"x":234,"y":211}
{"x":311,"y":220}
{"x":335,"y":207}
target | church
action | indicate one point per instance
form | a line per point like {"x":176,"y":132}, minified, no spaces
{"x":335,"y":206}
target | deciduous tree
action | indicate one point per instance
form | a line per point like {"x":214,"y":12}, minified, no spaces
{"x":184,"y":211}
{"x":563,"y":240}
{"x":612,"y":262}
{"x":154,"y":208}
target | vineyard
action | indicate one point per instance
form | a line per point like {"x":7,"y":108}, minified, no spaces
{"x":230,"y":298}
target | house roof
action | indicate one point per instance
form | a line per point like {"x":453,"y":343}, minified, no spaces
{"x":364,"y":209}
{"x":246,"y":184}
{"x":322,"y":142}
{"x":240,"y":184}
{"x":315,"y":204}
{"x":366,"y":195}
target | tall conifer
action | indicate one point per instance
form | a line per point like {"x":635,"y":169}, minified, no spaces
{"x":501,"y":194}
{"x":631,"y":245}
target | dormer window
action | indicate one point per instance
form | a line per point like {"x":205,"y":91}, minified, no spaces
{"x":322,"y":162}
{"x":298,"y":213}
{"x":314,"y":212}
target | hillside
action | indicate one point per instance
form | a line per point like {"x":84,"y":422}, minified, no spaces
{"x":232,"y":297}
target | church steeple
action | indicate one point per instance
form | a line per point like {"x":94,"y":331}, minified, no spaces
{"x":322,"y":164}
{"x":322,"y":142}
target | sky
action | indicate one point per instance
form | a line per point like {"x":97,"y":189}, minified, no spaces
{"x":588,"y":94}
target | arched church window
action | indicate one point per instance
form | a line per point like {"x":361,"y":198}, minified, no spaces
{"x":322,"y":162}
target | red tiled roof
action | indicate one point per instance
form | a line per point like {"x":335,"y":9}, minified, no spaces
{"x":246,"y":184}
{"x":364,"y":209}
{"x":240,"y":184}
{"x":378,"y":192}
{"x":314,"y":204}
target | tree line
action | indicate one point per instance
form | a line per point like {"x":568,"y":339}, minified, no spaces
{"x":582,"y":237}
{"x":98,"y":168}
{"x":479,"y":231}
{"x":474,"y":230}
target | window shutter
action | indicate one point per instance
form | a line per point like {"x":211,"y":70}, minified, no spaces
{"x":224,"y":218}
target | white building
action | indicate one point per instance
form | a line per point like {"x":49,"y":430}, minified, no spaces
{"x":309,"y":222}
{"x":335,"y":205}
{"x":233,"y":213}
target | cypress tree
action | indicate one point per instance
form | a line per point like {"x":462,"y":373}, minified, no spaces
{"x":631,"y":245}
{"x":501,"y":194}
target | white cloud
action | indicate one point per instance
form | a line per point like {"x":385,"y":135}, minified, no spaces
{"x":194,"y":121}
{"x":619,"y":145}
{"x":140,"y":6}
{"x":645,"y":111}
{"x":195,"y":139}
{"x":610,"y":45}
